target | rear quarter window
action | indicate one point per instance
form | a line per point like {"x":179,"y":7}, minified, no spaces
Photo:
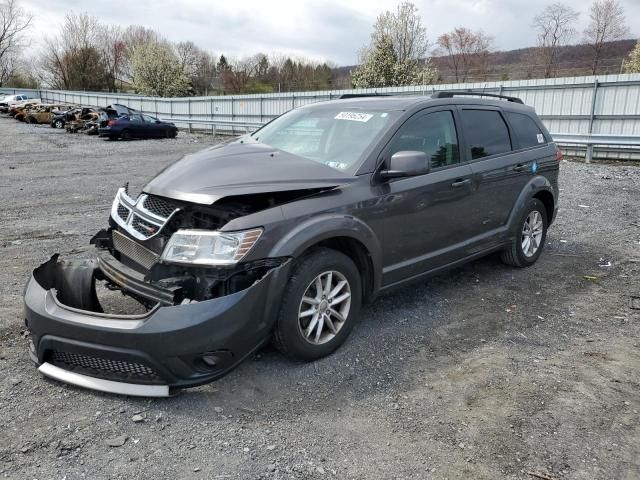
{"x":486,"y":133}
{"x":526,"y":130}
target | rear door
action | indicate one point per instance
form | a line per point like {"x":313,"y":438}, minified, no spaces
{"x":500,"y":172}
{"x":137,"y":125}
{"x":426,"y":217}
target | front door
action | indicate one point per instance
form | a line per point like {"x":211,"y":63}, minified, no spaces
{"x":427,"y":216}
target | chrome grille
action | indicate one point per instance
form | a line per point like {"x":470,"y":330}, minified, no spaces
{"x":143,"y":217}
{"x":100,"y":366}
{"x":123,"y":212}
{"x":159,"y":206}
{"x":133,"y":250}
{"x":143,"y":227}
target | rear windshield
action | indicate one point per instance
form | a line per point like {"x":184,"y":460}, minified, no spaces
{"x":336,"y":136}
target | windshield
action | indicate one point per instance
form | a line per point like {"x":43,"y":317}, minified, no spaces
{"x":335,"y":135}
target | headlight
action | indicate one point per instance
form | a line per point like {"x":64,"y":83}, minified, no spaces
{"x":206,"y":247}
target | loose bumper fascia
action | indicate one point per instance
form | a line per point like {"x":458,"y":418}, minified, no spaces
{"x":167,"y":338}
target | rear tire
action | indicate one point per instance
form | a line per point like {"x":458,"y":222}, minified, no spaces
{"x":530,"y":236}
{"x":296,"y":335}
{"x":58,"y":124}
{"x":125,"y":135}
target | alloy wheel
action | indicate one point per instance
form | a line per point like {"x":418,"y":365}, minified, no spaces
{"x":324,"y":307}
{"x":532,"y":233}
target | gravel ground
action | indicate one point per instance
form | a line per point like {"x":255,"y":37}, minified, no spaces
{"x":484,"y":372}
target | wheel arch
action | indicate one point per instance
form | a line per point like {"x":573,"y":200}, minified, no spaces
{"x":546,"y":197}
{"x":345,"y":234}
{"x":539,"y":188}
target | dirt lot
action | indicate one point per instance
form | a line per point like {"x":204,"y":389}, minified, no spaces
{"x":485,"y":372}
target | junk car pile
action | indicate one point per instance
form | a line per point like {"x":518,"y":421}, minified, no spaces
{"x":112,"y":122}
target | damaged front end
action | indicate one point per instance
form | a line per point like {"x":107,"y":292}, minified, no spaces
{"x":192,"y":323}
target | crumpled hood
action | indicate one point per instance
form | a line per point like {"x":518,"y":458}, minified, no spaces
{"x":240,"y":168}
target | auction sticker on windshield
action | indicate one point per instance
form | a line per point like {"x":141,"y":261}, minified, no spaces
{"x":354,"y":116}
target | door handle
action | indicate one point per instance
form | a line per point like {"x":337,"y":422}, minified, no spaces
{"x":460,"y":183}
{"x":520,"y":168}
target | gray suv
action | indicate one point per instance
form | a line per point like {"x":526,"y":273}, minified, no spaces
{"x":283,"y":234}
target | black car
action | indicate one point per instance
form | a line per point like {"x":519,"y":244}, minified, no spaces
{"x":137,"y":125}
{"x":284,"y":233}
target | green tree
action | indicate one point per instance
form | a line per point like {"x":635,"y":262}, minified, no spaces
{"x":378,"y":69}
{"x":157,"y":71}
{"x":397,"y":51}
{"x":633,"y":64}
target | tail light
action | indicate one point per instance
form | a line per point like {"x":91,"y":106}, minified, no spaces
{"x":559,"y":155}
{"x":111,"y":123}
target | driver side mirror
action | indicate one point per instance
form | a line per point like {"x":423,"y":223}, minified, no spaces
{"x":407,"y":164}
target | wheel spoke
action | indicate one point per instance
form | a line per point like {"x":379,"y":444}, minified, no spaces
{"x":327,"y":287}
{"x":329,"y":322}
{"x":312,"y":324}
{"x":337,"y":289}
{"x":525,"y":244}
{"x":534,"y":244}
{"x":341,"y":298}
{"x":318,"y":288}
{"x":319,"y":328}
{"x":310,"y":300}
{"x":336,"y":314}
{"x":306,"y":313}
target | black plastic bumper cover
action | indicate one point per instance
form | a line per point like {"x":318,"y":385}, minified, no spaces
{"x":169,"y":340}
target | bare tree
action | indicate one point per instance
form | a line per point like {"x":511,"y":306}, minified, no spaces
{"x":114,"y":54}
{"x":14,"y":21}
{"x":607,"y":24}
{"x":73,"y":59}
{"x":555,"y":28}
{"x":464,"y":50}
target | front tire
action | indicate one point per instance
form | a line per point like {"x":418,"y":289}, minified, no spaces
{"x":320,"y":305}
{"x":530,"y":236}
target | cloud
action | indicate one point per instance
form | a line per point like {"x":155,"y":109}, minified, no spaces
{"x":323,"y":30}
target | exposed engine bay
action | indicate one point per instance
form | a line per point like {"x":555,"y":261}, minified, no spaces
{"x":129,"y":251}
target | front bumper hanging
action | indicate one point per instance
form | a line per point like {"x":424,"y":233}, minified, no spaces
{"x":169,"y":346}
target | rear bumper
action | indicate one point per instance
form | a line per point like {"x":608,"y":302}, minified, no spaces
{"x":161,"y":348}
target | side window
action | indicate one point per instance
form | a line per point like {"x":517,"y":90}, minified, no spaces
{"x":148,"y":119}
{"x":433,"y":134}
{"x":485,"y":132}
{"x":526,"y":130}
{"x":135,"y":117}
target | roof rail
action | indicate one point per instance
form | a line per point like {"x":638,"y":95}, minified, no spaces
{"x":450,"y":94}
{"x":345,"y":96}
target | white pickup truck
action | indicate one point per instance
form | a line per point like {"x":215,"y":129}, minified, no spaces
{"x":15,"y":100}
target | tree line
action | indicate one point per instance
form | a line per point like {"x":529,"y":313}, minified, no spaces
{"x":86,"y":54}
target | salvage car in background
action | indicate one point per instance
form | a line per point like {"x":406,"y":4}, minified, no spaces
{"x":137,"y":125}
{"x":44,"y":113}
{"x":283,"y":234}
{"x":60,"y":119}
{"x":22,"y":107}
{"x":12,"y":100}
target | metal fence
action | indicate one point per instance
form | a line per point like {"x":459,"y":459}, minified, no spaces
{"x":588,"y":106}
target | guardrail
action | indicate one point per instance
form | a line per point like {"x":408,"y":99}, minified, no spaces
{"x":594,"y":139}
{"x":248,"y":127}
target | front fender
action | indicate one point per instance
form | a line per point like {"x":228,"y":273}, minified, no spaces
{"x":316,"y":229}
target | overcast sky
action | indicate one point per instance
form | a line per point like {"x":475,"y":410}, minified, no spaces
{"x":324,"y":30}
